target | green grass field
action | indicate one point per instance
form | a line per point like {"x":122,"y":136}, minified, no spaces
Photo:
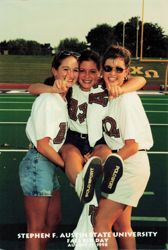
{"x":24,"y":69}
{"x":31,"y":69}
{"x":151,"y":213}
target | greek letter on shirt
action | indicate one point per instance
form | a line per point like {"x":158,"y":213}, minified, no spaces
{"x":61,"y":133}
{"x":74,"y":107}
{"x":110,"y":127}
{"x":98,"y":98}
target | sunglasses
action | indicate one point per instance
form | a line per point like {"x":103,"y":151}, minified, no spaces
{"x":69,"y":53}
{"x":108,"y":68}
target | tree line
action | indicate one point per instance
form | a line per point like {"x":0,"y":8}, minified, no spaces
{"x":155,"y":42}
{"x":23,"y":47}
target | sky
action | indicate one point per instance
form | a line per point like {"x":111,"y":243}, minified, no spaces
{"x":49,"y":21}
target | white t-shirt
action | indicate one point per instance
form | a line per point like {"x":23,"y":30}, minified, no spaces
{"x":78,"y":110}
{"x":126,"y":119}
{"x":87,"y":110}
{"x":49,"y":118}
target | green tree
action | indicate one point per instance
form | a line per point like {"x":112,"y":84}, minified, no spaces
{"x":129,"y":37}
{"x":155,"y":43}
{"x":23,"y":47}
{"x":154,"y":40}
{"x":71,"y":44}
{"x":33,"y":48}
{"x":17,"y":47}
{"x":46,"y":49}
{"x":100,"y":38}
{"x":3,"y":46}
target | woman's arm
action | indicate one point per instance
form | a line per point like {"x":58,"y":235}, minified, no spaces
{"x":45,"y":149}
{"x":133,"y":84}
{"x":59,"y":86}
{"x":130,"y":148}
{"x":39,"y":88}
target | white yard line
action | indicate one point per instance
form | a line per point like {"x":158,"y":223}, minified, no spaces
{"x":156,"y":111}
{"x":16,"y":102}
{"x":13,"y":123}
{"x":155,"y":104}
{"x":15,"y":110}
{"x":159,"y":124}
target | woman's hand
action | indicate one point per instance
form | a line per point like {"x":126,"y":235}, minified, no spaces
{"x":43,"y":146}
{"x":130,"y":148}
{"x":60,"y":86}
{"x":114,"y":90}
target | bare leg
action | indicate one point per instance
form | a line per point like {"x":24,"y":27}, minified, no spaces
{"x":123,"y":224}
{"x":73,"y":161}
{"x":101,"y":151}
{"x":53,"y":217}
{"x":107,"y":214}
{"x":36,"y":210}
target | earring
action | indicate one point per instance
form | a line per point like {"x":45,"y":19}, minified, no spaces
{"x":125,"y":78}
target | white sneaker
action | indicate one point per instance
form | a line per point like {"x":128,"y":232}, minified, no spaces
{"x":112,"y":172}
{"x":86,"y":179}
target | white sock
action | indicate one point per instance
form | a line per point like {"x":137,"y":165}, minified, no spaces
{"x":79,"y":184}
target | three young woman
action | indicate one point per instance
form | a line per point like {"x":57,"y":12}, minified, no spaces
{"x":87,"y":104}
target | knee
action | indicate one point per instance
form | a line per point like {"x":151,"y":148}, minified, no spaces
{"x":35,"y":227}
{"x":66,"y":149}
{"x":102,"y":224}
{"x":101,"y":147}
{"x":57,"y":219}
{"x":102,"y":151}
{"x":122,"y":227}
{"x":52,"y":224}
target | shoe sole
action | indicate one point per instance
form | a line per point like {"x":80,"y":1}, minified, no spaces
{"x":92,"y":173}
{"x":113,"y":170}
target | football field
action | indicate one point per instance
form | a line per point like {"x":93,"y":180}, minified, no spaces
{"x":151,"y":213}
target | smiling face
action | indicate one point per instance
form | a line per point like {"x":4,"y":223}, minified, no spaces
{"x":88,"y":75}
{"x":68,"y":70}
{"x":115,"y":71}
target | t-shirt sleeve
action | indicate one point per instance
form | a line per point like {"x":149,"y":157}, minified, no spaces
{"x":44,"y":119}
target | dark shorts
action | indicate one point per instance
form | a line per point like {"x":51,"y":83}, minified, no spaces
{"x":81,"y":141}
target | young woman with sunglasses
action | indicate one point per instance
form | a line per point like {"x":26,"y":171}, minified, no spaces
{"x":126,"y":130}
{"x":46,"y":129}
{"x":87,"y":104}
